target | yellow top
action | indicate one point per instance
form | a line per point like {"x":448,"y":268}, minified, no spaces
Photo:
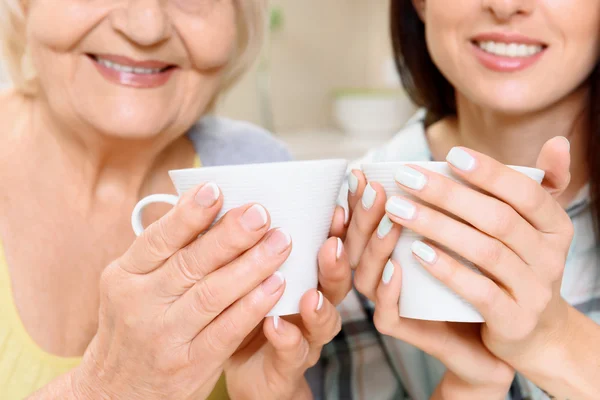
{"x":24,"y":366}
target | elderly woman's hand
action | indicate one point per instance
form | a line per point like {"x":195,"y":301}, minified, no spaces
{"x":175,"y":307}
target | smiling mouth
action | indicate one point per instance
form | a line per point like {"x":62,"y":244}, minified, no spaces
{"x":144,"y":68}
{"x":511,"y":50}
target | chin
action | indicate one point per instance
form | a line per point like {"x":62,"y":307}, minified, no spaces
{"x":511,"y":100}
{"x":130,"y":124}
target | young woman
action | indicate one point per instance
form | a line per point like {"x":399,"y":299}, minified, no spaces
{"x":502,"y":82}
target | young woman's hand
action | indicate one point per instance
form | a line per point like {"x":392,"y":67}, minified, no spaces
{"x":472,"y":370}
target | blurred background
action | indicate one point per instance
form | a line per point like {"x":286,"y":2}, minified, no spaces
{"x":326,"y":82}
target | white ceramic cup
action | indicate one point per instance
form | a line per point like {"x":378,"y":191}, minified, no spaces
{"x":423,"y":296}
{"x":300,"y":197}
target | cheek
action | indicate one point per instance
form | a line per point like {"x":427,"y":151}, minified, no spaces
{"x":61,"y":28}
{"x":210,"y":41}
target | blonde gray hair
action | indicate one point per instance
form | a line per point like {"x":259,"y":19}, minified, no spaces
{"x":251,"y":22}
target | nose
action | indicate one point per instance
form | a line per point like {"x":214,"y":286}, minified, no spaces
{"x":145,"y":22}
{"x":506,"y":9}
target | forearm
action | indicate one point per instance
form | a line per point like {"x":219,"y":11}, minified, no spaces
{"x":568,"y":365}
{"x":453,"y":388}
{"x":61,"y":388}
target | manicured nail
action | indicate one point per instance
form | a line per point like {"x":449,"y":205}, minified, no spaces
{"x":460,"y":159}
{"x":340,"y":248}
{"x":369,"y":196}
{"x":278,"y":241}
{"x":385,"y":226}
{"x":388,"y":272}
{"x":273,"y":283}
{"x":410,"y":177}
{"x":254,"y":218}
{"x":568,"y":143}
{"x":276,"y":322}
{"x":346,"y":213}
{"x":208,"y":195}
{"x":352,"y":183}
{"x":320,"y":302}
{"x":424,"y":252}
{"x":400,"y":208}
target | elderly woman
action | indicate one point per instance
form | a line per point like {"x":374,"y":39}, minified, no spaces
{"x":106,"y":99}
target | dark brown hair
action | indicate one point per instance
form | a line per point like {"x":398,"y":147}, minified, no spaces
{"x":428,"y":88}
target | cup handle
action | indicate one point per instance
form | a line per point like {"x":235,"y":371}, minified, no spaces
{"x":136,"y":215}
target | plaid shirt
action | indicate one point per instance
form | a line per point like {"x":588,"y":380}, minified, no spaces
{"x":361,"y":364}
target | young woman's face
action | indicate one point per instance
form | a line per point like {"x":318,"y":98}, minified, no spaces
{"x":131,"y":68}
{"x":513,"y":56}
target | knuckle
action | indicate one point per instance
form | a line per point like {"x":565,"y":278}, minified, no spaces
{"x":486,"y":294}
{"x":188,"y":265}
{"x":361,"y":284}
{"x":156,"y":240}
{"x":502,"y":221}
{"x":206,"y":300}
{"x":533,"y":198}
{"x":489,"y":254}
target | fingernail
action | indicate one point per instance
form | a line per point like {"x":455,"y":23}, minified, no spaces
{"x":346,"y":213}
{"x":273,"y":283}
{"x":424,"y":252}
{"x":568,"y":143}
{"x":369,"y":196}
{"x":340,"y":248}
{"x":460,"y":159}
{"x":278,"y":241}
{"x":276,"y":322}
{"x":400,"y":208}
{"x":388,"y":272}
{"x":352,"y":183}
{"x":208,"y":195}
{"x":385,"y":226}
{"x":254,"y":218}
{"x":410,"y":177}
{"x":320,"y":302}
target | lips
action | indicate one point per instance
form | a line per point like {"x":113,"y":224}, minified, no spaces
{"x":507,"y":52}
{"x":128,"y":72}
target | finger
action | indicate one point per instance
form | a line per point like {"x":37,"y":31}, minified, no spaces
{"x":217,"y":291}
{"x":335,"y":276}
{"x":485,"y":213}
{"x":321,"y":322}
{"x":489,"y":254}
{"x":555,"y":160}
{"x":487,"y":297}
{"x":338,"y":224}
{"x":378,"y":251}
{"x":356,"y":186}
{"x":193,"y":214}
{"x":290,"y":351}
{"x":222,"y":337}
{"x":364,"y":221}
{"x":239,"y":230}
{"x":525,"y":195}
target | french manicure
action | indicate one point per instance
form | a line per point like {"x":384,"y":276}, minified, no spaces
{"x":388,"y":272}
{"x":273,"y":283}
{"x":385,"y":226}
{"x":340,"y":248}
{"x":276,"y":322}
{"x":424,"y":252}
{"x":410,"y":177}
{"x":460,"y":159}
{"x":400,"y":208}
{"x":320,"y":301}
{"x":369,"y":196}
{"x":208,"y":195}
{"x":278,"y":241}
{"x":352,"y":183}
{"x":254,"y":218}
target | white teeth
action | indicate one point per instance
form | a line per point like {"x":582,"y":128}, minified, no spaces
{"x":510,"y":49}
{"x":128,"y":69}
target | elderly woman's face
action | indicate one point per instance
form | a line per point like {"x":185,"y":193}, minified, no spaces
{"x":131,"y":68}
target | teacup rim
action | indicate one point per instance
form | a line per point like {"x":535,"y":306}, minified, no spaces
{"x":260,"y":165}
{"x":439,"y":163}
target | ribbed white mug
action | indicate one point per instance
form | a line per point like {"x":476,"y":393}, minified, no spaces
{"x":300,"y":197}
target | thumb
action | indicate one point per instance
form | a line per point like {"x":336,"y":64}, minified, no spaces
{"x":555,"y":160}
{"x":289,"y":349}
